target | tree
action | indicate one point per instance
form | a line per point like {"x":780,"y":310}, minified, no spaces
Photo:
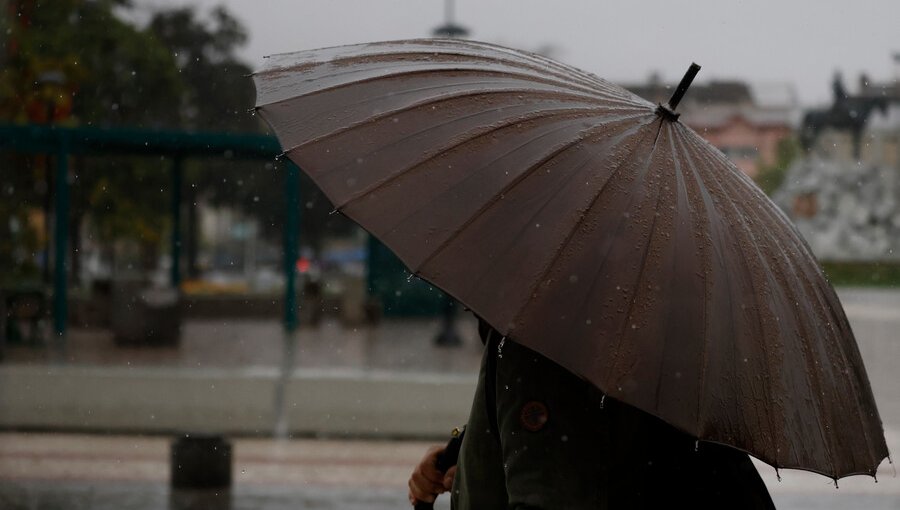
{"x":771,"y":176}
{"x":217,"y":93}
{"x":76,"y":62}
{"x":179,"y":71}
{"x":90,"y":65}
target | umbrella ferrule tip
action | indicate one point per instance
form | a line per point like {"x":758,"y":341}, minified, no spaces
{"x":664,"y":111}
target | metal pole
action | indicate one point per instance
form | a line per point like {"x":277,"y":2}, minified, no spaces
{"x":60,"y":239}
{"x":48,"y":218}
{"x":175,"y":275}
{"x":291,"y":236}
{"x":448,"y":11}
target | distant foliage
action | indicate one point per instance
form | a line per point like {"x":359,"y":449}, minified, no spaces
{"x":863,"y":274}
{"x":85,"y":63}
{"x":770,"y":177}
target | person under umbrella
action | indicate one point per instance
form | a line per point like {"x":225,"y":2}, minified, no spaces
{"x":592,"y":227}
{"x":539,"y":437}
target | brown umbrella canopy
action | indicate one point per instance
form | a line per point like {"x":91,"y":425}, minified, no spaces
{"x":580,"y":222}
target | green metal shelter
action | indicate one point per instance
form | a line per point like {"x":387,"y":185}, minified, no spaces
{"x":62,"y":142}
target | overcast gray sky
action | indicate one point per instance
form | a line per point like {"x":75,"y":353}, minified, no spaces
{"x":798,"y":41}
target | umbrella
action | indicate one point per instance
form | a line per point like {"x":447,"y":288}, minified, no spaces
{"x":593,"y":227}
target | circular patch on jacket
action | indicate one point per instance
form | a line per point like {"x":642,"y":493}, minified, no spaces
{"x":534,"y":416}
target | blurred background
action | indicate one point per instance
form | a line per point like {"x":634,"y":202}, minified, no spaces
{"x":168,"y":285}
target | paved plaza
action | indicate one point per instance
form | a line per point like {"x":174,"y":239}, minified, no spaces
{"x":55,"y":470}
{"x":76,"y":472}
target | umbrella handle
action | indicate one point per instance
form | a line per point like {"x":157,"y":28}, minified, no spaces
{"x":445,"y":460}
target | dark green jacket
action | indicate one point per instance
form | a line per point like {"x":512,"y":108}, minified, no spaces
{"x":539,"y":437}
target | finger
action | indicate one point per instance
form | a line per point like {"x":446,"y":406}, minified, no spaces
{"x":428,"y":466}
{"x":422,"y":490}
{"x":431,"y":473}
{"x":448,"y":478}
{"x":427,"y":485}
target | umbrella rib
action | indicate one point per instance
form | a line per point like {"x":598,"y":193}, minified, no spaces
{"x":531,"y":64}
{"x":765,"y":264}
{"x":756,"y":303}
{"x":512,"y":184}
{"x":560,"y":70}
{"x":537,"y":166}
{"x":515,"y":120}
{"x":575,"y":228}
{"x":522,"y":88}
{"x":803,"y":279}
{"x":591,"y":91}
{"x":811,"y":373}
{"x":374,"y":118}
{"x":455,"y":48}
{"x":637,"y":282}
{"x":708,"y":205}
{"x":643,"y":266}
{"x":835,"y":322}
{"x":534,"y":61}
{"x":681,"y":187}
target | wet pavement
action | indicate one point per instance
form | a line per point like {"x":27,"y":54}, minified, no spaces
{"x":73,"y":471}
{"x":51,"y":471}
{"x":397,"y":345}
{"x":79,"y":472}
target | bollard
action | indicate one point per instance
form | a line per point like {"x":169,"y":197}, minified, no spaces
{"x":448,"y":336}
{"x":201,"y":461}
{"x":201,"y":473}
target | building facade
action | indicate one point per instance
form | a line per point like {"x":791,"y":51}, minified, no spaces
{"x":746,"y":122}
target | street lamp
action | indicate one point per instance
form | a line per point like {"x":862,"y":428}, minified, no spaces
{"x":448,"y":336}
{"x":450,"y":28}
